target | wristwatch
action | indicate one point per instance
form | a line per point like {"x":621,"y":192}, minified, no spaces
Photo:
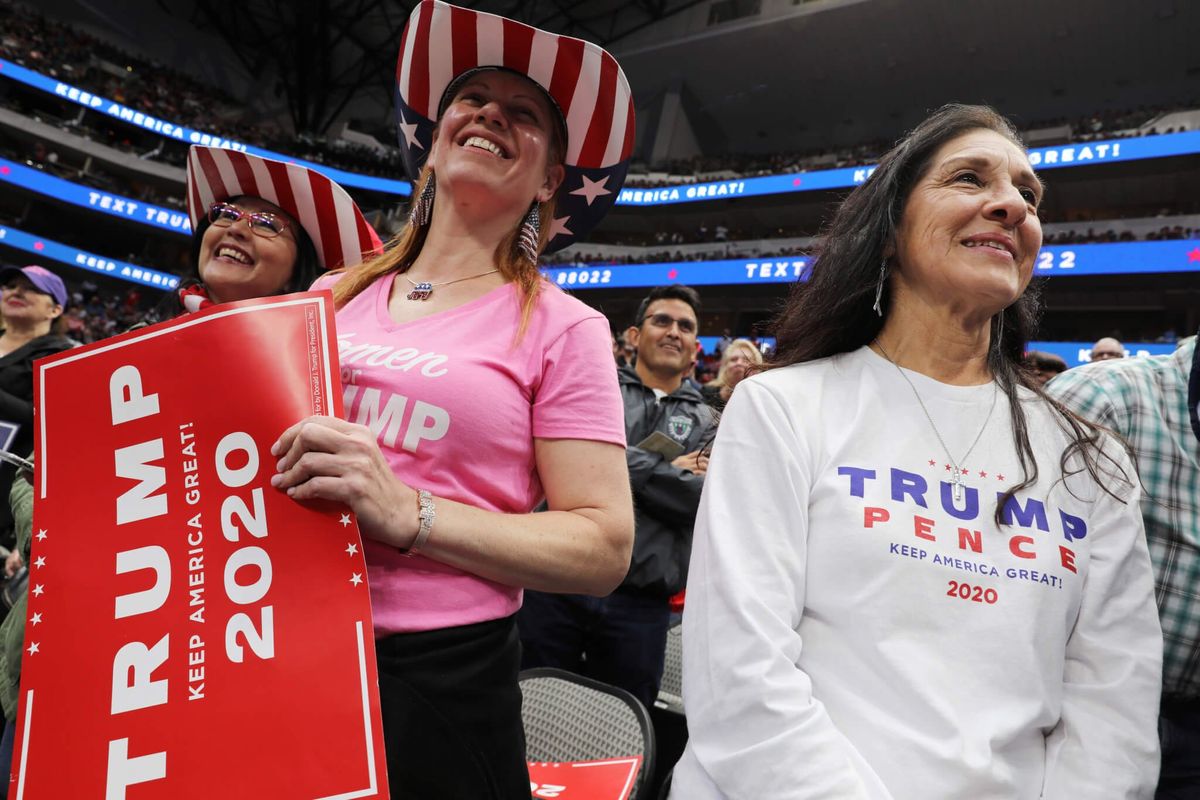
{"x":426,"y":513}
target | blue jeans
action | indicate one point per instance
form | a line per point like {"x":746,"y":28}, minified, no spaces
{"x":1179,"y":729}
{"x":620,"y":639}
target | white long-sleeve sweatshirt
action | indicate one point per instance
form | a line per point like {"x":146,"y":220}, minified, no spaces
{"x":853,"y":630}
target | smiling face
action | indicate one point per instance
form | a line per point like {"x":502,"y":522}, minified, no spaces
{"x":497,"y":144}
{"x":24,"y":304}
{"x":237,"y":264}
{"x":969,"y":232}
{"x":663,"y":345}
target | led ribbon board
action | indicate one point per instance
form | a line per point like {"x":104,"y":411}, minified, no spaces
{"x":1083,"y":259}
{"x":65,"y":254}
{"x":1076,"y":353}
{"x":1082,"y":154}
{"x":186,"y":135}
{"x":1120,"y":258}
{"x":94,"y":199}
{"x":1042,"y":158}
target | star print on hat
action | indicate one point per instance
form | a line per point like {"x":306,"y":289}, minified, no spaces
{"x":442,"y":42}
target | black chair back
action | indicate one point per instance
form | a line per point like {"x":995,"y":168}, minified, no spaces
{"x":572,"y":718}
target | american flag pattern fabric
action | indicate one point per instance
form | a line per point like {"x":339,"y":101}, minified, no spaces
{"x":339,"y":231}
{"x":442,"y":42}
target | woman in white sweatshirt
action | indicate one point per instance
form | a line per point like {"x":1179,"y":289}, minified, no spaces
{"x":914,"y":576}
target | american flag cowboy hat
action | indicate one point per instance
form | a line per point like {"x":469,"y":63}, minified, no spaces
{"x":339,"y":231}
{"x":442,"y":42}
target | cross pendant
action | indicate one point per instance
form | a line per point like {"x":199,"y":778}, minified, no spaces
{"x":958,"y":484}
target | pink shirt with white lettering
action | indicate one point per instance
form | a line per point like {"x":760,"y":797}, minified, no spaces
{"x":456,"y":406}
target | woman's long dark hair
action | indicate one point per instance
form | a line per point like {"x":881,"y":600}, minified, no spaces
{"x":833,"y":311}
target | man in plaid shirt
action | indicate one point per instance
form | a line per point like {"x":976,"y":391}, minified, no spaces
{"x":1146,"y":401}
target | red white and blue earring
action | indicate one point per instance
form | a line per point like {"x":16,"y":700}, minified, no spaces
{"x":422,"y":209}
{"x":531,"y":232}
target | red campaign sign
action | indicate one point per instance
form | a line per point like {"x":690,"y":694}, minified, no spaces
{"x":192,"y":631}
{"x":611,"y":779}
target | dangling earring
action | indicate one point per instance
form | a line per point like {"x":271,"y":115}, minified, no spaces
{"x":531,"y":231}
{"x":422,"y":209}
{"x":879,"y":287}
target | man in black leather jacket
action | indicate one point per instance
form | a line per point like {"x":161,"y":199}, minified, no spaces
{"x":621,"y":639}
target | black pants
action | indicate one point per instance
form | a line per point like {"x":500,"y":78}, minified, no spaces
{"x":1179,"y":729}
{"x":452,"y":713}
{"x":620,"y":639}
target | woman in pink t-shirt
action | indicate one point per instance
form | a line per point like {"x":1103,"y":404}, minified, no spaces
{"x":475,"y":390}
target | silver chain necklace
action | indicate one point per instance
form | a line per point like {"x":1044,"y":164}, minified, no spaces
{"x":423,"y":289}
{"x":955,"y":465}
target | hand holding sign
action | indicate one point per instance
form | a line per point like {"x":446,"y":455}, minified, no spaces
{"x":180,"y":645}
{"x":325,"y":458}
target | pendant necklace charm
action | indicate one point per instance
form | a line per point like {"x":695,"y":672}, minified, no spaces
{"x":422,"y":290}
{"x":956,"y":471}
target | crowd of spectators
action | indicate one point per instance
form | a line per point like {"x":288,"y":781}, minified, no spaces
{"x":1113,"y":124}
{"x":578,"y":257}
{"x":734,"y":249}
{"x":94,"y":314}
{"x":89,"y":172}
{"x":1093,"y":236}
{"x":75,"y":57}
{"x":698,"y":169}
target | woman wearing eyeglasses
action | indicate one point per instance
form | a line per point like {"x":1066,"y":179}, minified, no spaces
{"x":475,"y":389}
{"x":263,"y":227}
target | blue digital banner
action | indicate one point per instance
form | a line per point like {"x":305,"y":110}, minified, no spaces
{"x":1071,"y":155}
{"x":693,"y":273}
{"x":65,"y":254}
{"x":1084,"y":259}
{"x":94,"y":199}
{"x":1074,"y":353}
{"x":709,"y":343}
{"x":1082,"y":154}
{"x":1077,"y":353}
{"x":187,"y":135}
{"x":1120,"y":258}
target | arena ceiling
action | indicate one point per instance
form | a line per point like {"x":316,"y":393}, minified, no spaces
{"x":331,"y":52}
{"x":800,"y":75}
{"x":861,"y":71}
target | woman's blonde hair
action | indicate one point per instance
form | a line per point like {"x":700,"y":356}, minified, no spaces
{"x":404,"y":248}
{"x":756,"y":358}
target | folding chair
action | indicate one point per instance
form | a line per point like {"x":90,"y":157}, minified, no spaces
{"x":670,"y":691}
{"x":572,"y":718}
{"x":670,"y":726}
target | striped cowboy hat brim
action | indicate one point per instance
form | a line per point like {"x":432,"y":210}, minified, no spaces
{"x":339,"y":232}
{"x":441,"y":43}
